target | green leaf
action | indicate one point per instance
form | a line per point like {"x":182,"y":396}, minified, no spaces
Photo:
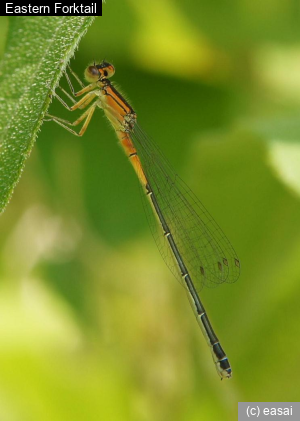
{"x":37,"y":52}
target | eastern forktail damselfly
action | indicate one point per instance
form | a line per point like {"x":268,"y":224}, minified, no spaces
{"x":190,"y":241}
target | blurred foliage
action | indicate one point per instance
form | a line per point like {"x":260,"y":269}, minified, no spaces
{"x":93,"y":325}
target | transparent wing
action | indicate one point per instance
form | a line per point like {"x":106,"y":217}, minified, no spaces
{"x":206,"y":251}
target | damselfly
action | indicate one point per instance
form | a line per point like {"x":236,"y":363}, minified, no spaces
{"x":190,"y":241}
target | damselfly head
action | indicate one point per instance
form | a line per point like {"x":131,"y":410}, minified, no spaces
{"x":100,"y":71}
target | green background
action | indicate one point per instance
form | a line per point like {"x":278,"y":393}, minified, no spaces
{"x":92,"y":324}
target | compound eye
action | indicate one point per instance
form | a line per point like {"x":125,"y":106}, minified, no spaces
{"x":93,"y":70}
{"x":91,"y":74}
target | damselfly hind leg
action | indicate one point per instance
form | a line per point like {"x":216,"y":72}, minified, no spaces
{"x":87,"y":115}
